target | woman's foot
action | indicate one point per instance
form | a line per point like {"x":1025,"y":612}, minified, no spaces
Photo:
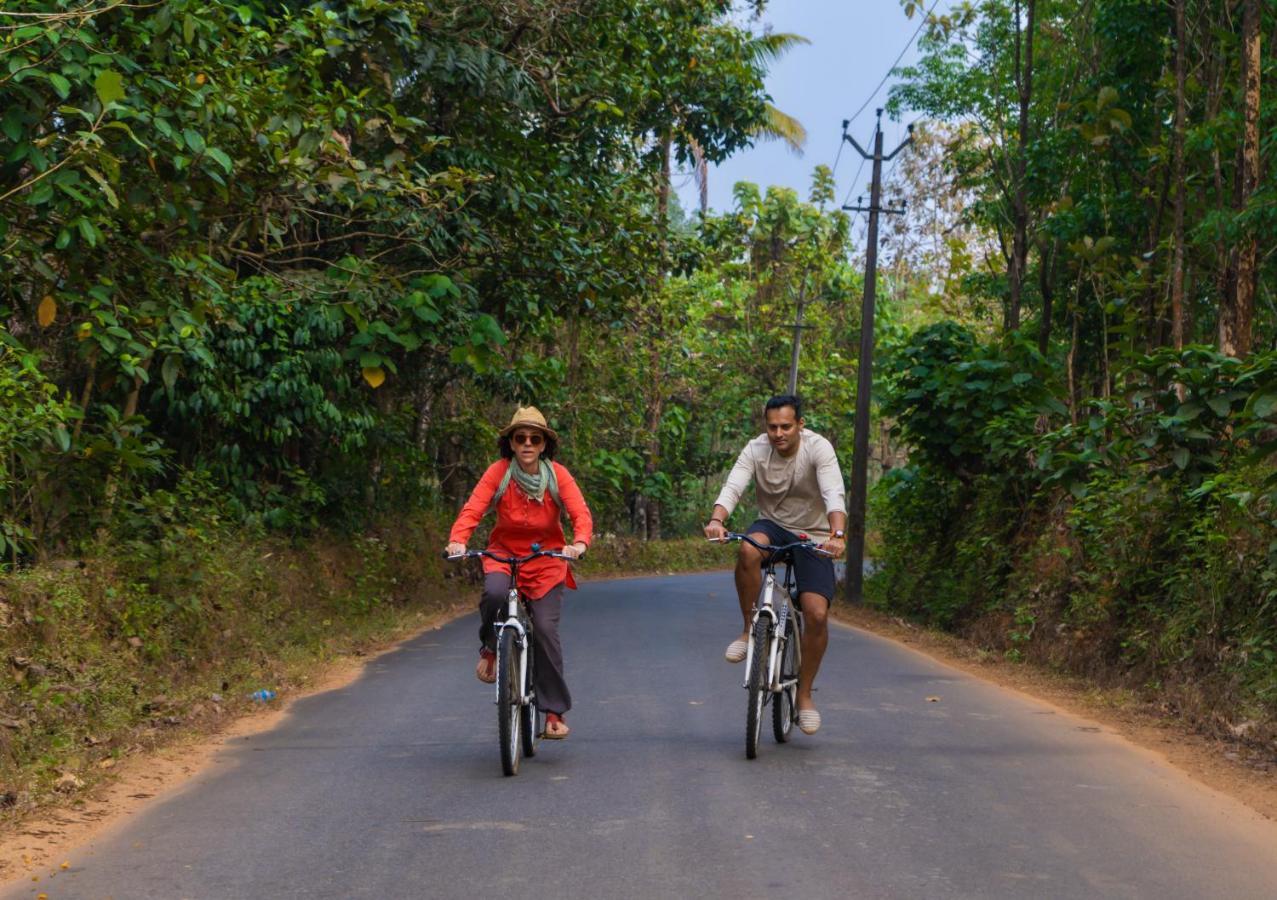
{"x":486,"y":670}
{"x":555,"y":728}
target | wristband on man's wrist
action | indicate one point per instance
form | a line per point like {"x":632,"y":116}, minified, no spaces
{"x":715,"y":519}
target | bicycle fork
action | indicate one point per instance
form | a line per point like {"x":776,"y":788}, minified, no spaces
{"x":776,"y":646}
{"x":521,"y":638}
{"x":765,"y":608}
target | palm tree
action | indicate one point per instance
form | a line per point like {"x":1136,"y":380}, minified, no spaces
{"x":777,"y":124}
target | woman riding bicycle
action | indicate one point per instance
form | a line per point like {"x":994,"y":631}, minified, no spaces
{"x":529,"y":492}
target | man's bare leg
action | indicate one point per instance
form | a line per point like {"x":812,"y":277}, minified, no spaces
{"x":749,"y":579}
{"x":815,"y":640}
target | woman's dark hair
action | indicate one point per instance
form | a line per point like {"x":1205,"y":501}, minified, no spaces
{"x":780,"y":401}
{"x":507,"y":451}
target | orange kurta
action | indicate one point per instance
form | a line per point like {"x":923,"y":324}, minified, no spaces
{"x":522,"y":522}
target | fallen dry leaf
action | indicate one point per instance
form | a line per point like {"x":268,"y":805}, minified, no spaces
{"x":933,"y":699}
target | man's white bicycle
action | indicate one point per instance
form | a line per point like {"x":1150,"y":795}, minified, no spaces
{"x":775,"y":655}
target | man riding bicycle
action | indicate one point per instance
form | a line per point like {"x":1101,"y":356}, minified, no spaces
{"x":799,"y":489}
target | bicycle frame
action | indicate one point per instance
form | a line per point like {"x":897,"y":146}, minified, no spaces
{"x":778,"y":613}
{"x":517,"y":618}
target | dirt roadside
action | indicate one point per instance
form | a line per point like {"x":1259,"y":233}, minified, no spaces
{"x":1225,"y":767}
{"x":39,"y":847}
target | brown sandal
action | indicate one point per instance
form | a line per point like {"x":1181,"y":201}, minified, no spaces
{"x":486,"y":670}
{"x":555,"y":728}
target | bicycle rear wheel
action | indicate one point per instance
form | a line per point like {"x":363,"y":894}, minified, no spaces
{"x":783,"y":708}
{"x":757,"y":684}
{"x":508,"y":706}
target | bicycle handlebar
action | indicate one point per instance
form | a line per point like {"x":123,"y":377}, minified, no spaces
{"x":805,"y":544}
{"x":509,"y":560}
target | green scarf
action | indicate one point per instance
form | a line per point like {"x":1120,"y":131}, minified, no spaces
{"x":533,"y":485}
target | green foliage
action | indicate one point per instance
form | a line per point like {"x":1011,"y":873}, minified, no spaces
{"x":1155,"y":565}
{"x":966,"y":407}
{"x":272,"y":243}
{"x":35,"y":434}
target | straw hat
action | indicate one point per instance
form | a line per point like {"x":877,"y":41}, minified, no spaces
{"x":528,"y":417}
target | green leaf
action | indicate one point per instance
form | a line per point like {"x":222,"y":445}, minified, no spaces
{"x":222,"y":159}
{"x":1265,"y":404}
{"x":109,"y":86}
{"x":60,"y":84}
{"x":87,"y":231}
{"x":106,"y":188}
{"x":1219,"y":406}
{"x":1180,"y":456}
{"x":169,"y":371}
{"x":245,"y":13}
{"x":194,"y":140}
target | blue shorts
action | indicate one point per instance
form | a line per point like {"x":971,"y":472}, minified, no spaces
{"x":813,"y":573}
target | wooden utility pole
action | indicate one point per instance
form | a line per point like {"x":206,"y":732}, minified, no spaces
{"x":798,"y":337}
{"x":864,"y":374}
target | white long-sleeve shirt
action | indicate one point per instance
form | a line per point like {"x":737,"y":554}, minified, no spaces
{"x":798,"y":493}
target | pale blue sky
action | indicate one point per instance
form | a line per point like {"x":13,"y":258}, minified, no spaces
{"x":853,"y":45}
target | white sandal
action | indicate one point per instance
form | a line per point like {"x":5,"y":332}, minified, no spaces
{"x":809,"y":720}
{"x":736,"y":651}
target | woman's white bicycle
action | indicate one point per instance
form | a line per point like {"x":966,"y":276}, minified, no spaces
{"x":519,"y":722}
{"x":775,"y":655}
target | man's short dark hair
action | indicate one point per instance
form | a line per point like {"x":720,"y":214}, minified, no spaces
{"x":780,"y":401}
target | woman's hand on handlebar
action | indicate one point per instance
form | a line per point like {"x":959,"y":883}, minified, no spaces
{"x":574,"y":551}
{"x":454,"y":548}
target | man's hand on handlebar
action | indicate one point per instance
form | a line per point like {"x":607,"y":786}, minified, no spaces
{"x":715,"y":530}
{"x":835,"y":547}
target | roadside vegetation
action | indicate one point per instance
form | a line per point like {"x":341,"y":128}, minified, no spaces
{"x":1089,"y":407}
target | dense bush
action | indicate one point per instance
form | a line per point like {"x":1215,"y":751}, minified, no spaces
{"x":1138,"y":544}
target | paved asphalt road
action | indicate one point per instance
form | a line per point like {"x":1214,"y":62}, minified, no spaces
{"x":391,"y":787}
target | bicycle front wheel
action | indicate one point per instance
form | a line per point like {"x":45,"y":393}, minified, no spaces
{"x":783,"y":708}
{"x":757,"y":684}
{"x":530,"y":717}
{"x":509,"y":662}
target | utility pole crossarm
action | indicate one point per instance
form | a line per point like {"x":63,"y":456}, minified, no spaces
{"x":859,"y":149}
{"x":905,"y":143}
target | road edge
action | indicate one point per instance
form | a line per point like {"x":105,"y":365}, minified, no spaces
{"x":1207,"y":761}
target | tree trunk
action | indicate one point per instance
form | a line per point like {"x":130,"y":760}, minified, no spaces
{"x":1019,"y":200}
{"x":1236,"y":321}
{"x":650,"y":506}
{"x":1046,"y":272}
{"x":1177,"y":175}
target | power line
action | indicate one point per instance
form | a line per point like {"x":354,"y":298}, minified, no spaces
{"x":887,"y":75}
{"x":903,"y":51}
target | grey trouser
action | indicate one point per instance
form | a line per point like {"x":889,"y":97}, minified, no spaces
{"x":552,"y":691}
